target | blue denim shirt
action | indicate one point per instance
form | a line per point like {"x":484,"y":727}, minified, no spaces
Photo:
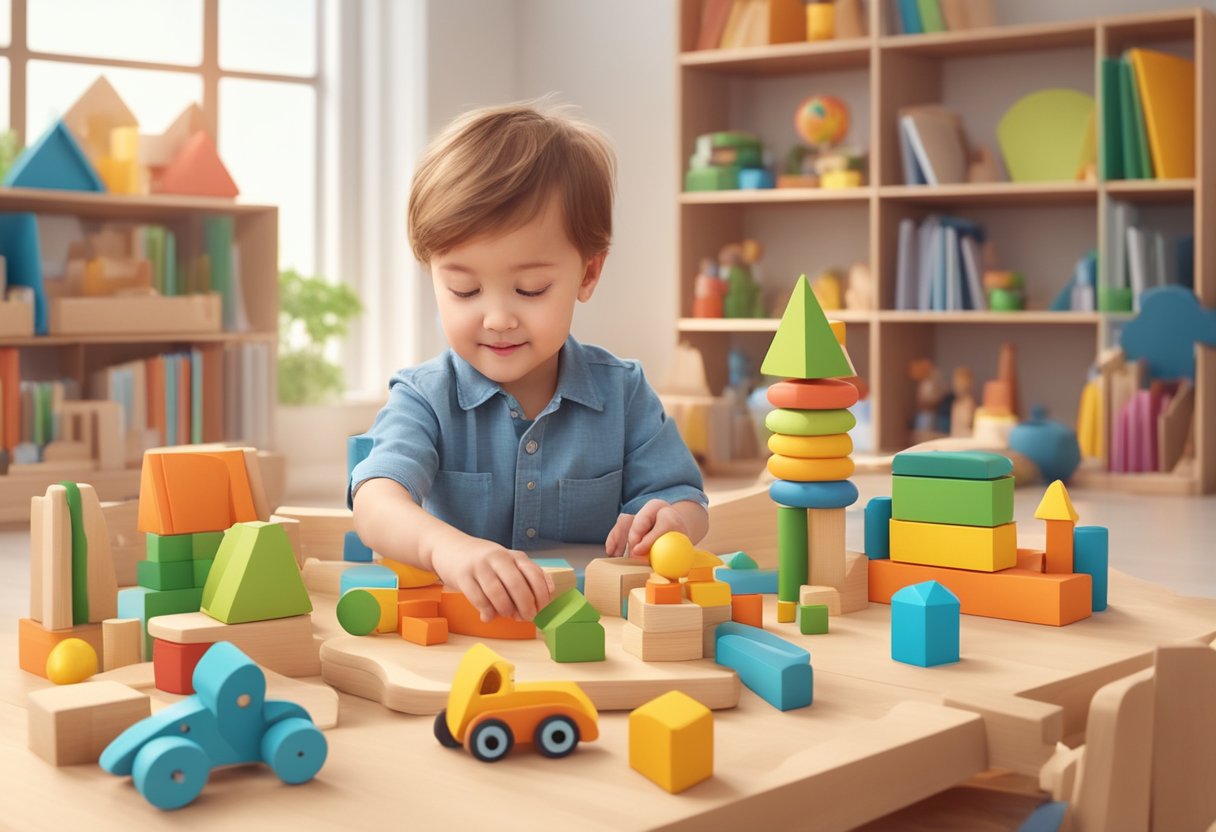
{"x":464,"y":450}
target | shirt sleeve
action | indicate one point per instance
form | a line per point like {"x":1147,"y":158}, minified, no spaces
{"x":405,"y":444}
{"x":658,"y":465}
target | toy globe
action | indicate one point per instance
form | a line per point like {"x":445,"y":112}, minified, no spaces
{"x":822,"y":120}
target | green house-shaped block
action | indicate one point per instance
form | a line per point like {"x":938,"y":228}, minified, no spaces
{"x":255,"y":577}
{"x":570,"y":625}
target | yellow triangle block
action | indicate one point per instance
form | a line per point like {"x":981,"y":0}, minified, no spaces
{"x":1056,"y":505}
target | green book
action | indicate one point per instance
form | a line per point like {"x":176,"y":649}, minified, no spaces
{"x":1110,"y":148}
{"x":1145,"y":162}
{"x":930,"y":16}
{"x":1127,"y":125}
{"x":217,"y":237}
{"x":172,"y":287}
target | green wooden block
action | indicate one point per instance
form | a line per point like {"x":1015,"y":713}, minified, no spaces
{"x":804,"y":345}
{"x":175,"y":575}
{"x":202,"y":568}
{"x":957,"y":502}
{"x":144,"y":603}
{"x":569,"y":607}
{"x":959,"y":465}
{"x":792,"y":543}
{"x":809,"y":422}
{"x":358,"y":612}
{"x":80,"y":556}
{"x":576,"y":641}
{"x":169,"y":548}
{"x":813,"y":619}
{"x":204,"y":545}
{"x":255,"y":577}
{"x":712,"y":178}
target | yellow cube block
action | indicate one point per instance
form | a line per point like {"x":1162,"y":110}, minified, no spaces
{"x":787,"y":611}
{"x":709,"y":593}
{"x":387,"y":599}
{"x":671,"y":741}
{"x":979,"y":548}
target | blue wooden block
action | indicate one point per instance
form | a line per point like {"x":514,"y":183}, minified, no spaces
{"x":55,"y":161}
{"x":552,"y":563}
{"x":23,"y":261}
{"x":373,"y":576}
{"x":144,"y":603}
{"x":754,"y":178}
{"x":1046,"y":818}
{"x":775,"y":670}
{"x":958,"y":465}
{"x":738,"y":560}
{"x":748,"y":581}
{"x":357,"y":449}
{"x":354,"y":549}
{"x":228,"y":722}
{"x":1091,"y":555}
{"x":829,"y":494}
{"x":878,"y":528}
{"x":924,"y":625}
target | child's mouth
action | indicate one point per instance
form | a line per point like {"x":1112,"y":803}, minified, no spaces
{"x":503,"y":349}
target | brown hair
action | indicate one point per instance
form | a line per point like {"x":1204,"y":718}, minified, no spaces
{"x":494,"y":169}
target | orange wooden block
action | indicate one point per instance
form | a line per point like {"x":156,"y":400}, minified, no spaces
{"x":464,"y":619}
{"x":1012,"y":594}
{"x":173,"y":665}
{"x":240,"y":494}
{"x":196,"y":171}
{"x":812,"y":394}
{"x":665,"y":593}
{"x":1059,"y":547}
{"x":424,"y":630}
{"x":1030,"y":559}
{"x":198,"y":488}
{"x":154,"y":513}
{"x":34,"y":643}
{"x":700,"y":574}
{"x":420,"y":593}
{"x":417,"y":609}
{"x":747,"y":609}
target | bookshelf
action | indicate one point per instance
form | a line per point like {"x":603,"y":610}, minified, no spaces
{"x":756,"y":89}
{"x":78,"y":356}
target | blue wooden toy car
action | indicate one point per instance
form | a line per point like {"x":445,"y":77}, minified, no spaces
{"x":228,"y":721}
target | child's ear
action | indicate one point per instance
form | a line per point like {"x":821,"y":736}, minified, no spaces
{"x":591,"y":276}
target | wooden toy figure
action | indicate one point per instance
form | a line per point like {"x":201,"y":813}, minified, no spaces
{"x":708,"y":291}
{"x":962,"y":411}
{"x":931,"y":400}
{"x":860,"y":294}
{"x":735,"y":263}
{"x":828,"y":291}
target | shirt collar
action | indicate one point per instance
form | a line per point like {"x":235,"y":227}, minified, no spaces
{"x":574,"y":380}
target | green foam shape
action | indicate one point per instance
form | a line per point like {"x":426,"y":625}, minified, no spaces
{"x":204,"y":545}
{"x":80,"y":557}
{"x":985,"y":503}
{"x":569,"y":607}
{"x":804,"y":346}
{"x":202,"y":568}
{"x":739,"y":560}
{"x":255,"y":577}
{"x":169,"y":548}
{"x":959,"y":465}
{"x":176,"y":575}
{"x":812,"y":619}
{"x":809,"y":422}
{"x":358,"y":612}
{"x":576,"y":641}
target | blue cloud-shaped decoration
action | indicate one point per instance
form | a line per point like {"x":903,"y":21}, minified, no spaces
{"x":1170,"y":323}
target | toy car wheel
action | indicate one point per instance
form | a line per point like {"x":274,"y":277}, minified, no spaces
{"x":442,"y":732}
{"x":170,"y":772}
{"x":295,"y":749}
{"x":556,"y":736}
{"x":491,"y":741}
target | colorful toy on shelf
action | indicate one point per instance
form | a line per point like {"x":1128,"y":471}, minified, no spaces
{"x":737,"y":264}
{"x":822,"y":120}
{"x":489,"y":713}
{"x":933,"y":401}
{"x":55,"y":162}
{"x":671,"y":741}
{"x":720,"y":158}
{"x":1005,"y":290}
{"x":1052,"y":446}
{"x":860,"y":294}
{"x":828,"y":290}
{"x":228,"y":722}
{"x":708,"y":291}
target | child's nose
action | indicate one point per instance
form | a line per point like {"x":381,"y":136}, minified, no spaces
{"x":499,"y":319}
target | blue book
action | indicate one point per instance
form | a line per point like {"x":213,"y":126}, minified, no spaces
{"x":909,"y":14}
{"x":171,"y":400}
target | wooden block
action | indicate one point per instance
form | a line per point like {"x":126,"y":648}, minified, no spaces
{"x":774,"y":669}
{"x":607,"y":582}
{"x":1184,"y":736}
{"x":419,"y":593}
{"x":127,"y":544}
{"x":749,"y":581}
{"x":1021,"y":731}
{"x":173,"y":665}
{"x":206,"y":545}
{"x":257,"y":487}
{"x":663,"y":591}
{"x":825,"y":546}
{"x":102,"y":582}
{"x":812,"y":619}
{"x":709,"y":593}
{"x":1032,"y":560}
{"x":564,"y":578}
{"x":34,"y":643}
{"x":72,"y":724}
{"x":953,"y":501}
{"x":1059,"y":546}
{"x":408,"y":576}
{"x":1058,"y":776}
{"x":812,"y":394}
{"x":663,"y":618}
{"x":418,"y":608}
{"x":56,"y":557}
{"x":120,"y":639}
{"x":967,"y":465}
{"x":671,"y":741}
{"x":1116,"y":776}
{"x":667,"y":646}
{"x":748,"y":609}
{"x":744,"y":520}
{"x":292,"y":527}
{"x":711,"y":618}
{"x":828,"y":596}
{"x":700,"y":574}
{"x":36,"y":544}
{"x":464,"y":619}
{"x":855,"y":592}
{"x":576,"y":641}
{"x":787,"y":611}
{"x":285,"y":645}
{"x":424,"y":631}
{"x":793,"y":552}
{"x":386,"y":598}
{"x":958,"y":547}
{"x":322,"y":530}
{"x":1011,"y":594}
{"x":325,"y":576}
{"x":174,"y":575}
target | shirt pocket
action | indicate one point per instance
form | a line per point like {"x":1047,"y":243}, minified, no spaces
{"x":587,"y":509}
{"x":462,"y":499}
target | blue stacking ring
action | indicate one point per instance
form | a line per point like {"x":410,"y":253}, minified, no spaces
{"x":830,"y":494}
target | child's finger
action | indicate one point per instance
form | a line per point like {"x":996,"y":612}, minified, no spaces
{"x":614,"y":544}
{"x":542,"y":591}
{"x":499,"y":597}
{"x":642,"y":523}
{"x":479,"y":600}
{"x":522,"y":599}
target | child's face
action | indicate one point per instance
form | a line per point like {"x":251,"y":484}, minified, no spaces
{"x":506,"y":301}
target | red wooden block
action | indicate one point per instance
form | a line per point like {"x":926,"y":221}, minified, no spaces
{"x":747,"y":609}
{"x":813,"y":394}
{"x":424,"y":631}
{"x":173,"y":664}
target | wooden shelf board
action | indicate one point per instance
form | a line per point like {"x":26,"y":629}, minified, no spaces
{"x":16,"y":490}
{"x":782,"y":58}
{"x":1020,"y":38}
{"x":1150,"y":190}
{"x":148,"y":338}
{"x":766,"y":196}
{"x":976,"y":317}
{"x":763,"y":324}
{"x":992,"y":193}
{"x":1149,"y":27}
{"x":117,"y":206}
{"x":1146,"y":483}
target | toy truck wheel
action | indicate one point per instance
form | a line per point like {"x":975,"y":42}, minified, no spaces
{"x":442,"y":732}
{"x":491,"y":740}
{"x":294,"y":749}
{"x":170,"y":772}
{"x":556,"y":736}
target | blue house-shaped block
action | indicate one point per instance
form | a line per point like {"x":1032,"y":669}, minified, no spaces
{"x":924,"y":625}
{"x":55,"y":161}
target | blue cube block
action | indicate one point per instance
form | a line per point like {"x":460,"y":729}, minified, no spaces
{"x":357,"y":449}
{"x":354,"y":549}
{"x":1091,"y":555}
{"x":748,"y":581}
{"x":925,"y":625}
{"x":878,"y":528}
{"x":774,"y":669}
{"x":552,"y":563}
{"x":371,"y":576}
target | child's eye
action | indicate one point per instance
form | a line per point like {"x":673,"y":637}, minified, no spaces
{"x":465,"y":295}
{"x":535,"y":294}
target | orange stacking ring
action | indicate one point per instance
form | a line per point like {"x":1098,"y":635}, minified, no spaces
{"x":811,"y":447}
{"x":810,"y":470}
{"x":813,"y":394}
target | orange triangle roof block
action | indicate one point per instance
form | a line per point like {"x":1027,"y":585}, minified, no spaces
{"x":1055,"y":504}
{"x":197,"y":171}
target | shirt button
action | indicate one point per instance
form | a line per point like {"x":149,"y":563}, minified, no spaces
{"x":514,"y":414}
{"x":531,"y":446}
{"x":530,"y":533}
{"x":531,"y":485}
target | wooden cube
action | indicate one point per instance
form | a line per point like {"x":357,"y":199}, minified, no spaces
{"x":424,"y":631}
{"x":747,"y":609}
{"x":709,"y":593}
{"x":73,"y":724}
{"x":829,"y":596}
{"x":665,"y":592}
{"x":34,"y":643}
{"x":671,"y":741}
{"x":173,"y":665}
{"x":679,"y":646}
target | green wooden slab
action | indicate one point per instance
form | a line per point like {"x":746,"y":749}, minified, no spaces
{"x":959,"y":465}
{"x":957,"y":502}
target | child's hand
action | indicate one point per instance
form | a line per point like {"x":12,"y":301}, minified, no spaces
{"x":497,"y":581}
{"x":639,"y":531}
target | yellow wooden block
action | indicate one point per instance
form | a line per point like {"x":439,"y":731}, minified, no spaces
{"x":978,"y":548}
{"x":408,"y":576}
{"x":387,"y":599}
{"x":787,"y":611}
{"x":810,"y":470}
{"x":671,"y":741}
{"x":709,"y":593}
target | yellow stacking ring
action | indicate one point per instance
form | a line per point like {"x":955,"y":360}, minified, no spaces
{"x":811,"y":447}
{"x":810,"y":470}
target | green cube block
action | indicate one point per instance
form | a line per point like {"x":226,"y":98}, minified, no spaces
{"x":144,"y":603}
{"x":169,"y":548}
{"x":202,"y":568}
{"x":957,"y":502}
{"x":576,"y":641}
{"x":813,"y":619}
{"x":204,"y":545}
{"x":173,"y":575}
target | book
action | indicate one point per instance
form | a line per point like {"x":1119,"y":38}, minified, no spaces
{"x":714,"y":14}
{"x":895,"y":21}
{"x":913,"y":175}
{"x":1165,"y":85}
{"x":1137,"y":264}
{"x":730,"y":32}
{"x":196,"y":396}
{"x":905,"y":279}
{"x":1160,"y":266}
{"x":1144,"y":163}
{"x":936,"y":136}
{"x":909,"y":13}
{"x":924,"y":267}
{"x":1110,"y":153}
{"x":952,"y":274}
{"x":954,"y":13}
{"x":930,"y":16}
{"x":975,"y":275}
{"x":981,"y":14}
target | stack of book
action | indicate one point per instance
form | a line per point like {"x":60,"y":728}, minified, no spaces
{"x":1148,"y":121}
{"x":914,"y":17}
{"x":940,"y":266}
{"x":729,"y":24}
{"x":1142,"y":258}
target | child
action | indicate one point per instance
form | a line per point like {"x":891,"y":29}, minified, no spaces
{"x":518,"y":433}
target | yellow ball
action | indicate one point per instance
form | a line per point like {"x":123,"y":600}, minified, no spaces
{"x":672,"y":555}
{"x":71,"y":660}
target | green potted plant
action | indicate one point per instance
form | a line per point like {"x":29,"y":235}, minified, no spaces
{"x":312,"y":314}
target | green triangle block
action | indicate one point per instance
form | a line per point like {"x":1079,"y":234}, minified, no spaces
{"x":569,"y":607}
{"x":254,"y":577}
{"x":804,"y":346}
